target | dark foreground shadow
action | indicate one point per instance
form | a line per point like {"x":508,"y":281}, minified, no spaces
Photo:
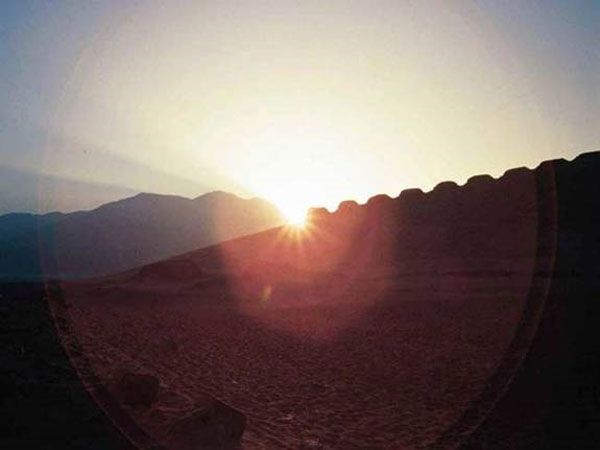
{"x":553,"y":401}
{"x":43,"y":402}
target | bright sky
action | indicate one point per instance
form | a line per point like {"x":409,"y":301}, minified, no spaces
{"x":302,"y":103}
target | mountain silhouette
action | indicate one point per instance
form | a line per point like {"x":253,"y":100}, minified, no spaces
{"x":124,"y":234}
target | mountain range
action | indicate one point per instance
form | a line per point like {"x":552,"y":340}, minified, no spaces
{"x":125,"y":233}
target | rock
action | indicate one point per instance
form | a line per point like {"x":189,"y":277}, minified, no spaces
{"x":479,"y":181}
{"x":210,"y":425}
{"x":412,"y":195}
{"x":379,"y":200}
{"x":445,"y":187}
{"x":315,"y":215}
{"x":347,"y":206}
{"x":137,"y":389}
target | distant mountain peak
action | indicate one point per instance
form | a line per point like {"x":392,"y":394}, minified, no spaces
{"x":217,"y":195}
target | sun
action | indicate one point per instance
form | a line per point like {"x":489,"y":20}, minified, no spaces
{"x":295,"y":216}
{"x":295,"y":213}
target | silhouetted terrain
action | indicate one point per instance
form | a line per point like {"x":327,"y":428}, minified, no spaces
{"x":124,"y":234}
{"x":43,"y":402}
{"x":466,"y":317}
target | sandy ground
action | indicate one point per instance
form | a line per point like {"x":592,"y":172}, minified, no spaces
{"x":387,"y":362}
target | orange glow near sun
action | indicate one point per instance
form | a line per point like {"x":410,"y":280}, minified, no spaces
{"x":295,"y":215}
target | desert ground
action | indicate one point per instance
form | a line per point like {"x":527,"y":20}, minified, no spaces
{"x":375,"y":327}
{"x":381,"y":361}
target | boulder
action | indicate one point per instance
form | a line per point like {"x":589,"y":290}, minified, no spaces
{"x":347,"y":206}
{"x":316,"y":214}
{"x":411,"y":195}
{"x":136,"y":389}
{"x":378,"y":200}
{"x":480,"y":181}
{"x":445,"y":187}
{"x":211,"y":424}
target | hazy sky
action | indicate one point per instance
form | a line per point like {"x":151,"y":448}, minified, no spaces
{"x":304,"y":102}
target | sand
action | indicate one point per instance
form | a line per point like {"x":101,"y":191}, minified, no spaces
{"x":392,"y":369}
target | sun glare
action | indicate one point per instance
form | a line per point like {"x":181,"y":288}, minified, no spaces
{"x":295,"y":216}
